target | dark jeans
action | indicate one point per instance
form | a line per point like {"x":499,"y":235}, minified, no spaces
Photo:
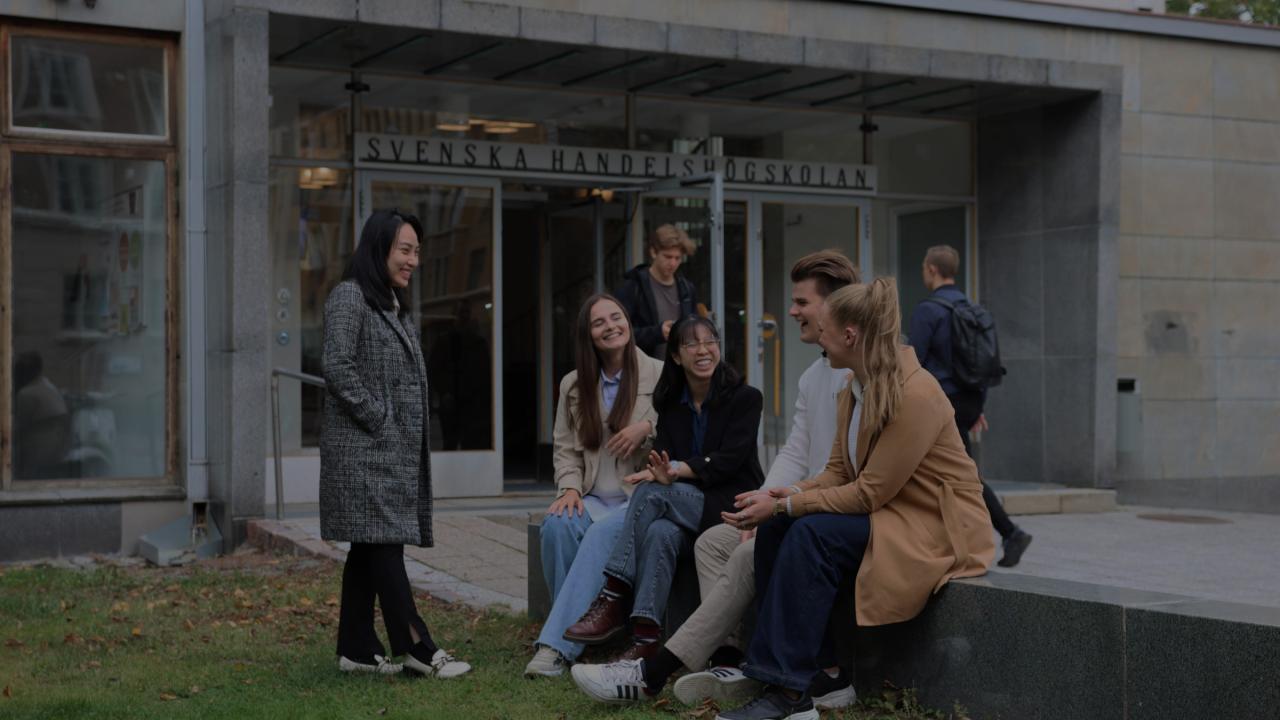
{"x":968,"y":406}
{"x":377,"y":570}
{"x":800,"y":564}
{"x":660,"y":524}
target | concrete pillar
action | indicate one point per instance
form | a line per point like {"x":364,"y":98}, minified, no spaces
{"x":1047,"y":212}
{"x":238,"y":270}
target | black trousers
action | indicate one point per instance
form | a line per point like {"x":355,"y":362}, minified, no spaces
{"x":968,"y":407}
{"x":377,"y":571}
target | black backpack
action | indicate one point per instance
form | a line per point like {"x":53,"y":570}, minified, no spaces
{"x":975,"y":348}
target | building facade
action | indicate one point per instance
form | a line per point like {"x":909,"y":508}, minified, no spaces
{"x":182,"y":186}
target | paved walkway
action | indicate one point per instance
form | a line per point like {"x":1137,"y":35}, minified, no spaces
{"x":480,"y":556}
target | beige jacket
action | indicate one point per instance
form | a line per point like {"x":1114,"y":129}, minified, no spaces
{"x":928,"y":521}
{"x":576,"y":467}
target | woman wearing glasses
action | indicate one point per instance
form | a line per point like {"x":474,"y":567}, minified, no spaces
{"x":375,"y":471}
{"x":704,"y":455}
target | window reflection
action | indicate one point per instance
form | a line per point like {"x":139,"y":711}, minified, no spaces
{"x":89,"y":303}
{"x":88,"y":86}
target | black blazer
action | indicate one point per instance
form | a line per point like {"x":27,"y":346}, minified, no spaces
{"x":730,"y":462}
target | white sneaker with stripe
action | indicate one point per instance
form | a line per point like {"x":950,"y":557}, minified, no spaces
{"x":616,"y":683}
{"x":725,"y":684}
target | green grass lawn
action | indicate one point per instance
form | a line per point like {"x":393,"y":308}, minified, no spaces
{"x":252,"y":636}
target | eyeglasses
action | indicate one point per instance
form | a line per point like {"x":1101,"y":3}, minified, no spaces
{"x":692,"y":346}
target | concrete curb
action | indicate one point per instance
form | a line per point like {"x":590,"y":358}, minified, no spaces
{"x":279,"y":536}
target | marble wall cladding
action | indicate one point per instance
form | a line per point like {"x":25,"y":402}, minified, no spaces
{"x":1117,"y":653}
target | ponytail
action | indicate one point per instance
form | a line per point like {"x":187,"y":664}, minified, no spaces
{"x":873,"y":308}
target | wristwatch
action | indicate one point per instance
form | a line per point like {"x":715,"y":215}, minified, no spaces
{"x":778,"y":507}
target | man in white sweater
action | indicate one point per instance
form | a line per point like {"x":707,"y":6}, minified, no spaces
{"x":726,"y":556}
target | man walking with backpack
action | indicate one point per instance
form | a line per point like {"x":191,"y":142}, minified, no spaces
{"x":956,"y":341}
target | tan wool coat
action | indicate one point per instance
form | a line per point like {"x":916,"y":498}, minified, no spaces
{"x":928,"y":521}
{"x":577,"y":468}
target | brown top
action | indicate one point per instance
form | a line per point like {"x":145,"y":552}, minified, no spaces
{"x":928,"y":521}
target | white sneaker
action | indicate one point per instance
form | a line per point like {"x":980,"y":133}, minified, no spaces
{"x":443,"y":665}
{"x":617,"y":682}
{"x":547,"y":662}
{"x":725,"y":684}
{"x":380,"y":665}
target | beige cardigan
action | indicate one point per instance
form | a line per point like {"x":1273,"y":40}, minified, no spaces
{"x":928,"y":521}
{"x":577,"y":468}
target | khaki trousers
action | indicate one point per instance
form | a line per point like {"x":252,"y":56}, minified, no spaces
{"x":727,"y":582}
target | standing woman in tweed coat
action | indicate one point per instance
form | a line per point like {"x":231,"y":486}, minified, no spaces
{"x":375,"y":470}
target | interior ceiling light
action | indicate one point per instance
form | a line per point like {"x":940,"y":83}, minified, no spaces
{"x":453,"y":127}
{"x":500,"y":129}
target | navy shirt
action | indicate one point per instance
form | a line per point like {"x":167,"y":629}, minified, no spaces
{"x":930,"y":335}
{"x":699,"y":420}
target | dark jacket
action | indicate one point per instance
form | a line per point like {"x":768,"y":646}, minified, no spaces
{"x":636,"y":296}
{"x":729,"y":463}
{"x":930,"y":335}
{"x":375,"y":471}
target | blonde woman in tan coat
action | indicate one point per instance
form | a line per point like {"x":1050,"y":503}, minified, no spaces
{"x":899,"y":504}
{"x":605,"y":424}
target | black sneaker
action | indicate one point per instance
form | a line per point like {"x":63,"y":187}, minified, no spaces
{"x":832,"y":693}
{"x":774,"y":705}
{"x":1014,"y":546}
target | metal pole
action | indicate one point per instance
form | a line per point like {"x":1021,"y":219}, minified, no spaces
{"x":275,"y":444}
{"x":717,"y":250}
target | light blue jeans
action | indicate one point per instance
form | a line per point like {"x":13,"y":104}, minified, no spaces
{"x":574,"y":553}
{"x":661,"y":523}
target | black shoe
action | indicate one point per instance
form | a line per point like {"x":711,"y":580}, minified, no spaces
{"x":774,"y":705}
{"x":1014,"y":546}
{"x":832,"y":693}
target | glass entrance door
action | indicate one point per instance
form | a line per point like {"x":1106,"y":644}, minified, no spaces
{"x":718,"y":266}
{"x":456,"y":299}
{"x":788,"y":230}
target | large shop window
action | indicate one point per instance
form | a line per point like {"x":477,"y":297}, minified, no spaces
{"x":87,"y":262}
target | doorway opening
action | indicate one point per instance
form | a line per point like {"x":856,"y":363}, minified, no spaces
{"x":561,"y":244}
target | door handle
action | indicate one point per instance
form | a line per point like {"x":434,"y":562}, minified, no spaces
{"x":767,"y":324}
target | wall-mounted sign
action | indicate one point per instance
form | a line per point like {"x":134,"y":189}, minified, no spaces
{"x":599,"y":164}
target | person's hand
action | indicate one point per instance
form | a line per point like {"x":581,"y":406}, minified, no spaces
{"x":628,"y":439}
{"x":660,"y":467}
{"x":636,"y":478}
{"x":752,"y":511}
{"x":571,"y":501}
{"x":745,"y":535}
{"x":780,"y":492}
{"x":737,"y":499}
{"x":666,"y":329}
{"x":980,"y":425}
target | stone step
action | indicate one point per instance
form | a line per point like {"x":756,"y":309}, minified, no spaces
{"x":1046,"y":499}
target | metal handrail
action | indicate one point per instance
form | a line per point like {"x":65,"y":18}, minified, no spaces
{"x":276,"y":374}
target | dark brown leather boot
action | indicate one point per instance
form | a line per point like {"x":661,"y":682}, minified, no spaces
{"x":606,"y":617}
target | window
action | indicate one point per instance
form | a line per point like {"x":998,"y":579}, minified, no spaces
{"x":88,"y":381}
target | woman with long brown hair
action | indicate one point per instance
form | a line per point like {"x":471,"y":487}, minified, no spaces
{"x":898,"y":475}
{"x":605,"y":424}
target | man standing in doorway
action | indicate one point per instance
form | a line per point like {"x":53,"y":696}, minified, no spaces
{"x":930,"y":335}
{"x":657,"y":295}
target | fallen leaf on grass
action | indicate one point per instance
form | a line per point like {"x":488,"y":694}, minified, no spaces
{"x":6,"y":692}
{"x":305,"y":602}
{"x":383,"y":711}
{"x":14,"y":643}
{"x":120,"y":607}
{"x":72,"y":639}
{"x":136,"y":632}
{"x":93,"y":664}
{"x":168,"y":696}
{"x":195,"y":689}
{"x":188,"y":624}
{"x":332,"y":601}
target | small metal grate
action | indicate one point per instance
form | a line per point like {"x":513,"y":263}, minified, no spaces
{"x":1187,"y":519}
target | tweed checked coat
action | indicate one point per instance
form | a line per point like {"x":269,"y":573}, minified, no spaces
{"x":375,"y":467}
